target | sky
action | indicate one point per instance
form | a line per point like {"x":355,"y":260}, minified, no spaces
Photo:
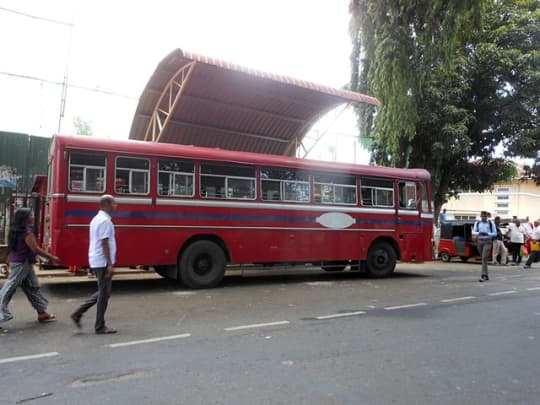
{"x":115,"y":46}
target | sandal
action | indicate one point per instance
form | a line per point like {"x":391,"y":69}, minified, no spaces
{"x":106,"y":331}
{"x":46,"y":318}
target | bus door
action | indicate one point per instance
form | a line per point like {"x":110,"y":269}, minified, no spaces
{"x":409,"y":226}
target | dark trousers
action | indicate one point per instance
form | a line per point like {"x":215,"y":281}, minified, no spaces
{"x":533,"y":258}
{"x":515,"y":249}
{"x":100,"y":297}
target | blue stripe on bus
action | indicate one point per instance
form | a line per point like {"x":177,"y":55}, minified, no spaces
{"x":192,"y":216}
{"x":235,"y":217}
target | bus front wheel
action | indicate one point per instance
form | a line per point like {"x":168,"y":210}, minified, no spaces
{"x":202,"y":265}
{"x":381,"y":260}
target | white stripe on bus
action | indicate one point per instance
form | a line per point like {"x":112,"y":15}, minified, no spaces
{"x":119,"y":200}
{"x":272,"y":206}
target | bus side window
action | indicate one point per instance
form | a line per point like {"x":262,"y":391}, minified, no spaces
{"x":87,"y":172}
{"x":425,"y":199}
{"x":176,"y":178}
{"x":279,"y":184}
{"x":132,"y":176}
{"x":377,"y":192}
{"x":223,"y":180}
{"x":407,"y":195}
{"x":334,"y":188}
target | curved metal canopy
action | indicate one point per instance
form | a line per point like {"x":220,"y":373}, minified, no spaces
{"x":192,"y":99}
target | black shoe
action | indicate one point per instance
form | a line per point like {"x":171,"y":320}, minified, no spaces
{"x":483,"y":278}
{"x":76,"y":320}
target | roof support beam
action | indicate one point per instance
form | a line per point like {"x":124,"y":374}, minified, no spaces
{"x":167,"y":103}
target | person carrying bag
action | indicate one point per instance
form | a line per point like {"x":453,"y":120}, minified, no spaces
{"x":23,"y":248}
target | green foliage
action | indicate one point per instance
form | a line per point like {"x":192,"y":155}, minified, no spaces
{"x":82,"y":127}
{"x":456,"y":79}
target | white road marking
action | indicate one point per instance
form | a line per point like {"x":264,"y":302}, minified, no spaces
{"x":502,"y":293}
{"x":184,"y":293}
{"x":153,"y":340}
{"x":29,"y":357}
{"x":419,"y":304}
{"x":459,"y":299}
{"x":256,"y":325}
{"x":342,"y":315}
{"x":320,"y":283}
{"x":533,"y":289}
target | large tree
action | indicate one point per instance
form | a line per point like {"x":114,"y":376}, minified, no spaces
{"x":456,"y":79}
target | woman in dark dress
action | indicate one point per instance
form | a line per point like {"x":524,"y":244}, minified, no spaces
{"x":23,"y":248}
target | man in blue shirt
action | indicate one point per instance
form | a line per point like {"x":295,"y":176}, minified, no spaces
{"x":442,"y":217}
{"x":485,"y":230}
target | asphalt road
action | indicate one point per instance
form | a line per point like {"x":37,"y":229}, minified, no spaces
{"x":429,"y":335}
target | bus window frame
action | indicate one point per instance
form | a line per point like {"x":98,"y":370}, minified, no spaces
{"x":355,"y":187}
{"x":158,"y":183}
{"x":103,"y":168}
{"x":373,"y":188}
{"x":407,"y":184}
{"x":226,"y":177}
{"x":148,"y":171}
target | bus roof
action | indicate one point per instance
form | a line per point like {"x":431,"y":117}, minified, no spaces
{"x":146,"y":149}
{"x":193,"y":99}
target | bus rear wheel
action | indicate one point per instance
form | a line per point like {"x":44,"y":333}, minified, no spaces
{"x":202,"y":265}
{"x":381,"y":260}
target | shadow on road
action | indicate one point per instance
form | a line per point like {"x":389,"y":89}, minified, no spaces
{"x":160,"y":285}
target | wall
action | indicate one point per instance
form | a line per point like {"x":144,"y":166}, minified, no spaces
{"x":519,"y":198}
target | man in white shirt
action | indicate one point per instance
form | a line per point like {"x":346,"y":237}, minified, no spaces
{"x":517,"y":238}
{"x":485,"y":230}
{"x":534,"y":255}
{"x":101,"y":257}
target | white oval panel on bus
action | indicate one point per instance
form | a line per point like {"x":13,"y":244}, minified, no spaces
{"x":336,"y":220}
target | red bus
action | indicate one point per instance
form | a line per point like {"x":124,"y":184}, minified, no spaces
{"x":190,"y":211}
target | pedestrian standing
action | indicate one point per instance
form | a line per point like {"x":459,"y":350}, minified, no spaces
{"x":23,"y":249}
{"x":101,"y":257}
{"x":485,"y":231}
{"x":517,"y":238}
{"x":443,"y":217}
{"x":534,"y":255}
{"x":498,"y":247}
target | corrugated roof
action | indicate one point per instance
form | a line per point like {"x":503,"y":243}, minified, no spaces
{"x":193,"y":99}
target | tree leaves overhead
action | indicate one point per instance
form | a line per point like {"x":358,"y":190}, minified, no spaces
{"x":456,"y":79}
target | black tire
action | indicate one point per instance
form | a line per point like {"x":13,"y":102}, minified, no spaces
{"x":445,"y":257}
{"x":381,"y":260}
{"x":202,"y":265}
{"x":168,"y":272}
{"x":334,"y":266}
{"x":464,"y":259}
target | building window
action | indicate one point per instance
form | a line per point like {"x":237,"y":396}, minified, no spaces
{"x":503,"y":197}
{"x":87,"y":172}
{"x":502,"y":205}
{"x":285,"y":185}
{"x":227,"y":181}
{"x":176,"y":178}
{"x":377,"y":192}
{"x":334,"y":189}
{"x":501,"y":212}
{"x":132,"y":176}
{"x":464,"y":217}
{"x":502,"y":190}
